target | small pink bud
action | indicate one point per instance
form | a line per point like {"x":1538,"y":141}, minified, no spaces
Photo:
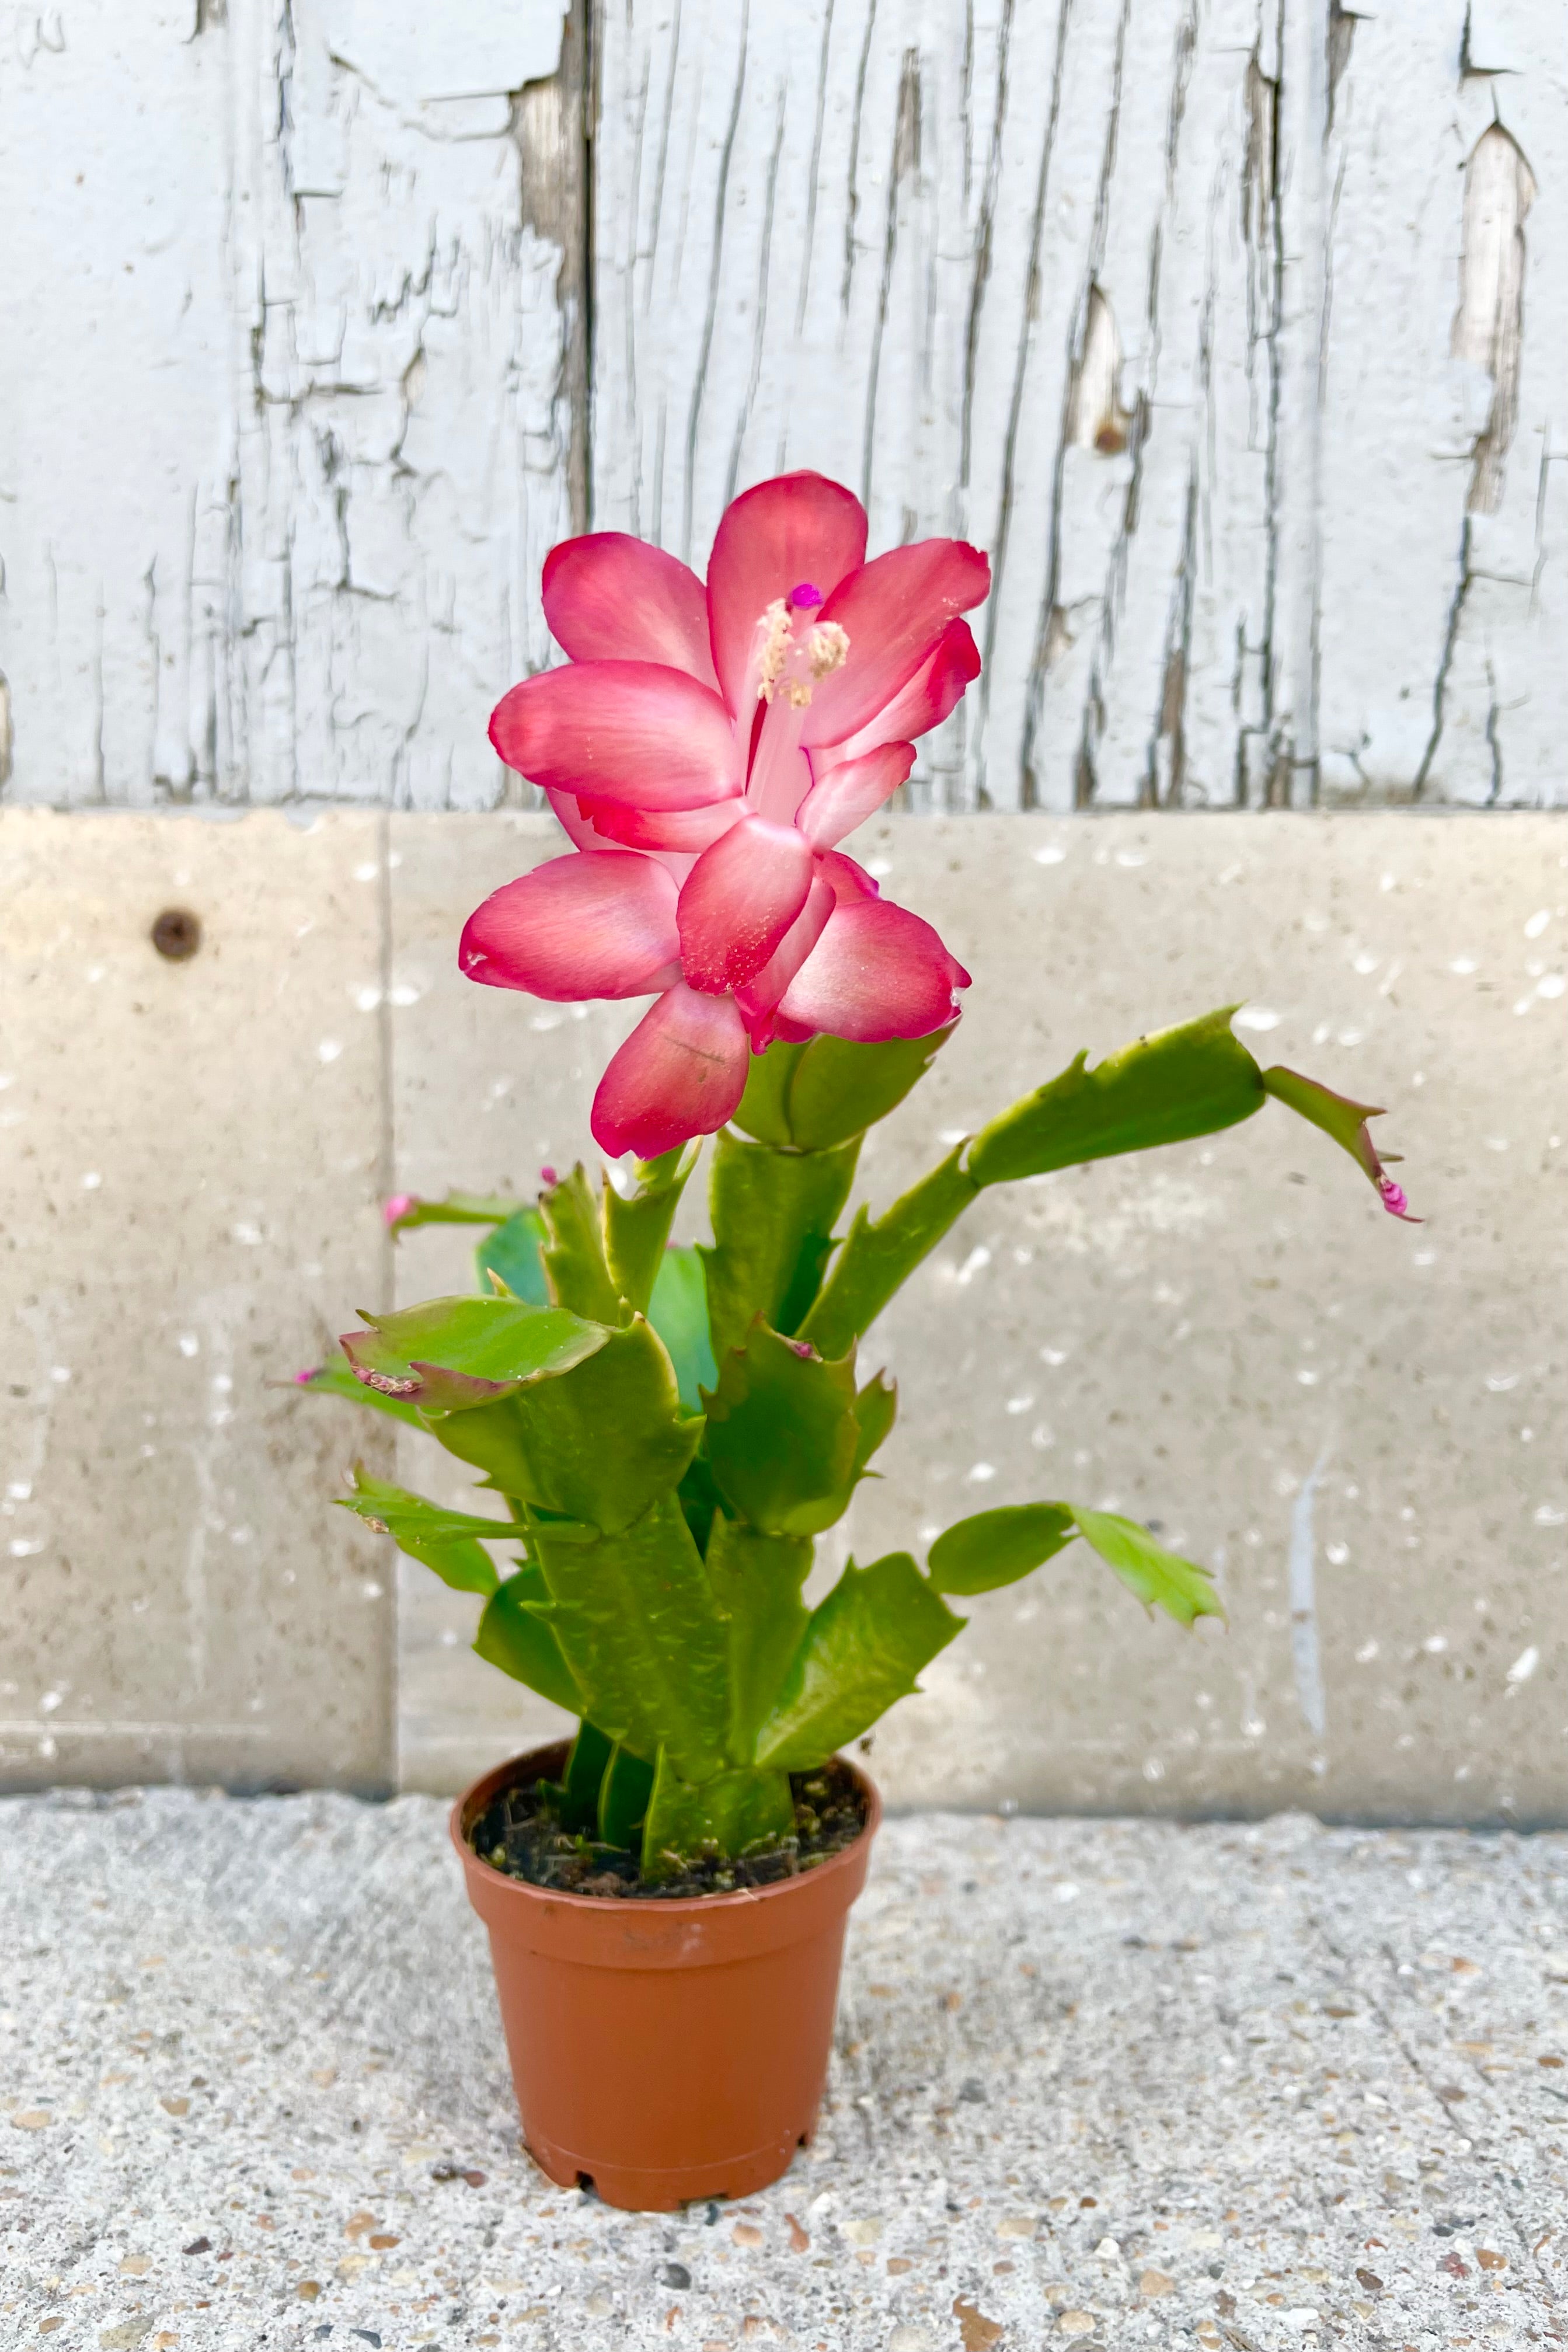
{"x":1394,"y":1199}
{"x":398,"y":1206}
{"x":804,"y":1348}
{"x":303,"y":1379}
{"x":547,"y":1175}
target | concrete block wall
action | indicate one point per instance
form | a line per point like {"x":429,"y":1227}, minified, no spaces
{"x":1360,"y":1425}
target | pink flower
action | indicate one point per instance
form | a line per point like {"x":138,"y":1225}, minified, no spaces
{"x":706,"y":749}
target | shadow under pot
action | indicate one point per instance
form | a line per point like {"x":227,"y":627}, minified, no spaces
{"x":665,"y":2049}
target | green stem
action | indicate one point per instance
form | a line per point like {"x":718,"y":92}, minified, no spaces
{"x":879,"y":1256}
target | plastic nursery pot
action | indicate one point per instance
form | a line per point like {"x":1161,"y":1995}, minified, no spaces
{"x":665,"y":2050}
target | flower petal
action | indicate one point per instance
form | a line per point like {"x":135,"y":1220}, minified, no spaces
{"x":797,"y":529}
{"x":739,"y":901}
{"x":936,"y":687}
{"x":680,"y":1072}
{"x":623,"y":730}
{"x":597,"y":923}
{"x":877,"y":972}
{"x":689,"y":830}
{"x":851,"y":792}
{"x":759,"y":996}
{"x":610,"y":597}
{"x":579,"y":829}
{"x":893,"y":612}
{"x":849,"y":881}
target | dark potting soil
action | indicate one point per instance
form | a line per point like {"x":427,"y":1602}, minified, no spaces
{"x":521,"y":1834}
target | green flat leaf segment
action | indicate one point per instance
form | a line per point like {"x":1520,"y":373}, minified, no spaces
{"x":839,"y":1088}
{"x":457,"y":1209}
{"x":637,"y":1225}
{"x":774,"y":1214}
{"x":512,"y":1252}
{"x":879,"y":1256}
{"x":876,"y":1410}
{"x":757,"y":1581}
{"x":451,"y":1353}
{"x":604,"y":1440}
{"x":679,"y":1313}
{"x":489,"y":1438}
{"x":624,"y":1792}
{"x":585,"y":1769}
{"x":1182,"y":1082}
{"x":450,"y":1542}
{"x":823,"y":1092}
{"x":639,"y":1628}
{"x":513,"y":1637}
{"x":1161,"y":1579}
{"x":997,"y":1547}
{"x":783,"y":1431}
{"x":1337,"y":1115}
{"x":725,"y":1815}
{"x":575,"y":1266}
{"x":862,"y":1650}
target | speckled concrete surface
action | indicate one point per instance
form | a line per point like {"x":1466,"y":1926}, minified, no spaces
{"x":1120,"y":2083}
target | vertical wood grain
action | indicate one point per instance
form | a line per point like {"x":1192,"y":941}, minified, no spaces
{"x":1232,"y":329}
{"x":1442,"y":595}
{"x":293,"y":391}
{"x":1009,"y":270}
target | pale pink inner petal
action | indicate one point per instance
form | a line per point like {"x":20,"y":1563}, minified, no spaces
{"x":877,"y":972}
{"x":579,"y":829}
{"x":846,"y":880}
{"x":893,"y":610}
{"x":739,"y":901}
{"x":680,"y":1072}
{"x":936,"y":687}
{"x":610,"y":597}
{"x":781,"y":773}
{"x":595,"y":923}
{"x":759,"y":996}
{"x":691,"y":829}
{"x":798,"y":530}
{"x":851,"y":792}
{"x":620,"y":731}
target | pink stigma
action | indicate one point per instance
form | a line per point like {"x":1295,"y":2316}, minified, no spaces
{"x":547,"y":1176}
{"x":397,"y":1207}
{"x":805,"y":598}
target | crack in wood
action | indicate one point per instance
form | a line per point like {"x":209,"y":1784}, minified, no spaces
{"x":1206,"y":318}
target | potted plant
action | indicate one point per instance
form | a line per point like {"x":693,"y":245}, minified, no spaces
{"x":671,"y":1428}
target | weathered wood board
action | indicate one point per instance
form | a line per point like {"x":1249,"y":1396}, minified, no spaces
{"x":289,"y":377}
{"x":1442,"y":596}
{"x":1230,"y":328}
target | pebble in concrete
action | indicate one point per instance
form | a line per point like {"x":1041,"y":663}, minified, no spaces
{"x":1106,"y":2083}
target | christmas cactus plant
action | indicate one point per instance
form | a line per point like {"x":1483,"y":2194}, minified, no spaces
{"x":671,"y":1428}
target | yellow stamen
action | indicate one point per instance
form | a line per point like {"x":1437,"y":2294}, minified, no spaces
{"x":829,"y":647}
{"x":774,"y":647}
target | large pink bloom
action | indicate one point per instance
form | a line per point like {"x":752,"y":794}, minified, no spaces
{"x":706,"y":749}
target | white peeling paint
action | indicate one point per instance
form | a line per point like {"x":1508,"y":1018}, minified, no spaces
{"x":412,"y":52}
{"x":1235,"y":337}
{"x":272,"y":516}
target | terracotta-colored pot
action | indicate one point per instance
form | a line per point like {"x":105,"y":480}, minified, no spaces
{"x":663,"y":2049}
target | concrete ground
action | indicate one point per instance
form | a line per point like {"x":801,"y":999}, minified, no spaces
{"x":1112,"y":2081}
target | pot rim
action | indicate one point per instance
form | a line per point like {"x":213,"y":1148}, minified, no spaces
{"x":656,"y":1907}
